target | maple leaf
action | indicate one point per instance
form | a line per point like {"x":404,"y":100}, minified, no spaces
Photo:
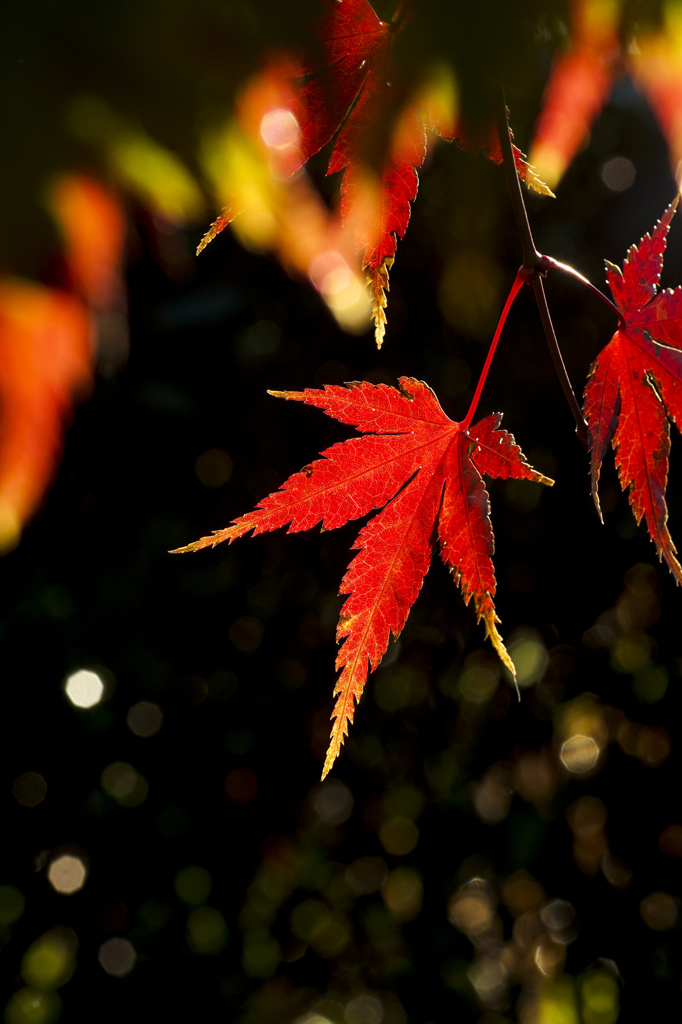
{"x":351,"y":98}
{"x":635,"y":386}
{"x":424,"y":471}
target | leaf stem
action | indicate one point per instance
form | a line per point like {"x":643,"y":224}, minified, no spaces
{"x":533,"y":261}
{"x":579,"y":277}
{"x":402,"y":13}
{"x":520,"y":279}
{"x":557,"y":359}
{"x":535,"y":266}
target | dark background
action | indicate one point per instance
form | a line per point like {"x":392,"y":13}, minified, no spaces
{"x":236,"y":646}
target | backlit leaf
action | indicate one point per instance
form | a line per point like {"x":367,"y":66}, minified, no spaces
{"x":425,"y":473}
{"x":380,"y":140}
{"x":351,"y":94}
{"x":635,"y":386}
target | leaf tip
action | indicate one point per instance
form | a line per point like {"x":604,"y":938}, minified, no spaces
{"x":487,"y":613}
{"x":216,"y":227}
{"x":378,"y":283}
{"x":537,"y":184}
{"x":333,"y":751}
{"x":196,"y":545}
{"x":528,"y":174}
{"x":230,"y":533}
{"x":597,"y":503}
{"x":290,"y":396}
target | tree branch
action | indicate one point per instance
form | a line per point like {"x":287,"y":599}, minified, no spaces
{"x":535,"y":265}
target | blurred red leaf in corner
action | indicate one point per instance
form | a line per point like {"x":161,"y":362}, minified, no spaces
{"x":603,"y":47}
{"x":47,"y":338}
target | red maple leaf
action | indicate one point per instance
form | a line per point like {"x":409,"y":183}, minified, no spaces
{"x":352,"y":98}
{"x":424,"y":471}
{"x":635,"y":386}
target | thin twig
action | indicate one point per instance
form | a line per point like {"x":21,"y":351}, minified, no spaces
{"x":579,"y":277}
{"x":532,"y":260}
{"x":535,"y":265}
{"x":557,"y":359}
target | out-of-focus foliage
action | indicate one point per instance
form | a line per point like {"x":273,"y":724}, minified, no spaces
{"x":473,"y":859}
{"x":603,"y":45}
{"x":47,"y":342}
{"x":45,"y":355}
{"x":249,"y":161}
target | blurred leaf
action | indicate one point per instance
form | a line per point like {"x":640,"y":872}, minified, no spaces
{"x":45,"y":360}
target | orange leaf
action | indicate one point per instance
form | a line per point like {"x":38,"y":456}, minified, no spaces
{"x":94,"y":227}
{"x":579,"y":84}
{"x":45,"y":357}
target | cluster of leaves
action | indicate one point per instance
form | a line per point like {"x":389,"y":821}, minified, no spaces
{"x":380,"y":139}
{"x":424,"y":468}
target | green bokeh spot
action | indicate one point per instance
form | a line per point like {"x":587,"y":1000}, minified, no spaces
{"x":48,"y":963}
{"x":28,"y":1006}
{"x":12,"y":905}
{"x":206,"y":930}
{"x":193,"y":884}
{"x":600,"y":999}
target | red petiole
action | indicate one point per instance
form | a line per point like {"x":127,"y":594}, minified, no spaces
{"x":519,"y":281}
